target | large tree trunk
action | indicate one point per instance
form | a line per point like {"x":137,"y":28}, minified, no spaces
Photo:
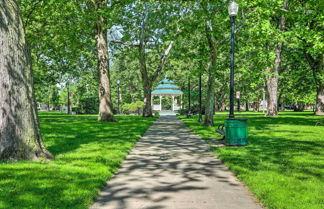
{"x":316,"y":64}
{"x":105,"y":103}
{"x":147,"y":110}
{"x":272,"y":88}
{"x":20,"y":136}
{"x":146,"y":81}
{"x":247,"y":105}
{"x":273,"y":73}
{"x":68,"y":99}
{"x":209,"y":111}
{"x":320,"y":99}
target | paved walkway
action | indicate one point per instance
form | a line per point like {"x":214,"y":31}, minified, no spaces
{"x":172,"y":168}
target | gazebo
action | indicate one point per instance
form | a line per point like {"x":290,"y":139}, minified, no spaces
{"x":167,"y":87}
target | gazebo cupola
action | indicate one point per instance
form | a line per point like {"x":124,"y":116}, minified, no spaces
{"x":167,"y":87}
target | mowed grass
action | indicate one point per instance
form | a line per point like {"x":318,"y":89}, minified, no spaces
{"x":87,"y":153}
{"x":283,"y":165}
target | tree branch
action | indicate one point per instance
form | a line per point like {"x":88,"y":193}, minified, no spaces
{"x":163,"y":60}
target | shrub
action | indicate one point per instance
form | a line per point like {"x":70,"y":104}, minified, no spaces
{"x":89,"y":105}
{"x":133,"y":108}
{"x":156,"y":113}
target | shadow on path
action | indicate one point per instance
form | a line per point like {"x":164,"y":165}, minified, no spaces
{"x":171,"y":167}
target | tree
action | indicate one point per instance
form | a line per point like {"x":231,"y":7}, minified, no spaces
{"x":308,"y":28}
{"x":105,"y":103}
{"x":142,"y":29}
{"x":214,"y":42}
{"x":273,"y":72}
{"x":20,"y":136}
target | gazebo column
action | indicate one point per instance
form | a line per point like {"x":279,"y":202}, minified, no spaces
{"x":172,"y":103}
{"x":152,"y":105}
{"x":160,"y":103}
{"x":181,"y":101}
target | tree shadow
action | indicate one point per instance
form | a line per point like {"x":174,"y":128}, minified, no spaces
{"x":87,"y":153}
{"x":168,"y":165}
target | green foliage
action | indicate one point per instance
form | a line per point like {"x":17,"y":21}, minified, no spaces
{"x":87,"y":153}
{"x":62,"y":44}
{"x":182,"y":111}
{"x":283,"y":163}
{"x":156,"y":114}
{"x":89,"y":105}
{"x":133,"y":108}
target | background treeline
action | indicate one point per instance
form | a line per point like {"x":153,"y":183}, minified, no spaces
{"x":279,"y":51}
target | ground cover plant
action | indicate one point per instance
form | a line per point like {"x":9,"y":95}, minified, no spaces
{"x":87,"y":153}
{"x":283,"y":165}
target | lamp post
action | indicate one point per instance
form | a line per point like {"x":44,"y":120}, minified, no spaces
{"x":236,"y":130}
{"x":118,"y":98}
{"x":232,"y":10}
{"x":189,"y":97}
{"x":189,"y":100}
{"x":200,"y":117}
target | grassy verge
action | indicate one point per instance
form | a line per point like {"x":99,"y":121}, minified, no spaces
{"x":87,"y":153}
{"x":283,"y":165}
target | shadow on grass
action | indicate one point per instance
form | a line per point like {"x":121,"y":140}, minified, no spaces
{"x":283,"y":163}
{"x":87,"y":153}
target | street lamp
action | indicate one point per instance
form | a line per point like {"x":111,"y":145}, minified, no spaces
{"x":189,"y":99}
{"x":118,"y":99}
{"x":200,"y":108}
{"x":236,"y":130}
{"x":232,"y":10}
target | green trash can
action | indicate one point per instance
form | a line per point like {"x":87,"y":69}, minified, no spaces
{"x":236,"y":131}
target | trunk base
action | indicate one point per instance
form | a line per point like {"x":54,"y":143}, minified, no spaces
{"x":103,"y":117}
{"x":43,"y":156}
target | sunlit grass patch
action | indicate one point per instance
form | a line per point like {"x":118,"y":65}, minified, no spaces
{"x":283,"y":165}
{"x":87,"y":153}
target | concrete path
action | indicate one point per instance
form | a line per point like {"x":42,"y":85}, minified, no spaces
{"x":172,"y":168}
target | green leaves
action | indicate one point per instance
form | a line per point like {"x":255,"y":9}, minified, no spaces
{"x":61,"y":37}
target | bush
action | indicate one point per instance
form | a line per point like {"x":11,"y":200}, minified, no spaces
{"x":133,"y":108}
{"x":156,"y":113}
{"x":89,"y":105}
{"x":75,"y":109}
{"x":182,"y":111}
{"x":193,"y":110}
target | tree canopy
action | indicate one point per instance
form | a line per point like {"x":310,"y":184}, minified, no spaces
{"x":148,"y":40}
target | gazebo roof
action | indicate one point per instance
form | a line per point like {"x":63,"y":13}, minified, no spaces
{"x":167,"y":87}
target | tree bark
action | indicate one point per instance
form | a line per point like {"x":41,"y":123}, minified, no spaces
{"x":68,"y":99}
{"x":246,"y":105}
{"x":147,"y":109}
{"x":273,"y":73}
{"x":316,"y":64}
{"x":272,"y":88}
{"x":20,"y":136}
{"x":146,"y":81}
{"x":105,"y":103}
{"x":209,"y":111}
{"x":320,"y":99}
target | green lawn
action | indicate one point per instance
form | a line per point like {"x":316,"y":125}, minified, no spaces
{"x":87,"y":153}
{"x":283,"y":165}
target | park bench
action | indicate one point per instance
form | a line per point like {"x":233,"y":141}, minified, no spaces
{"x":220,"y":129}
